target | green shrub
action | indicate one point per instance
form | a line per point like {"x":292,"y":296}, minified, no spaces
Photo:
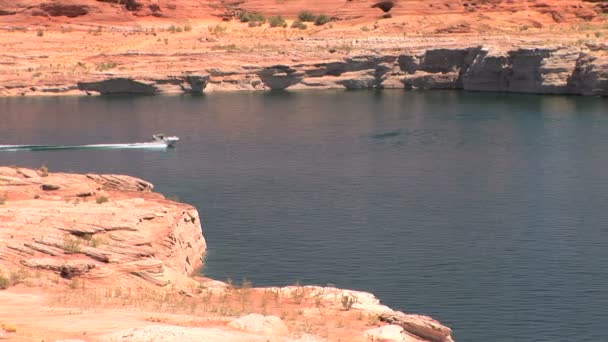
{"x":299,"y":25}
{"x":307,"y":16}
{"x":246,"y":17}
{"x":277,"y":21}
{"x":322,"y":19}
{"x":101,"y":199}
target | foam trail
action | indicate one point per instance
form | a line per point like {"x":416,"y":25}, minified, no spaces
{"x":147,"y":145}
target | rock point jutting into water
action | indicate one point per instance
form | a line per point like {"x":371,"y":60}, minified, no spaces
{"x":90,"y":246}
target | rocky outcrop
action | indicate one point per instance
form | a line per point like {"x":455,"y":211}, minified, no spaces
{"x":590,"y":76}
{"x":549,"y":70}
{"x":105,"y":228}
{"x":62,"y":10}
{"x":113,"y":240}
{"x":280,"y":77}
{"x":119,"y":85}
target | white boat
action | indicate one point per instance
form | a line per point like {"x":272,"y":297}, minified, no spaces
{"x":170,"y":141}
{"x":161,"y":141}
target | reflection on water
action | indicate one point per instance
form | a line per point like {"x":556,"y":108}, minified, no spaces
{"x":486,"y":211}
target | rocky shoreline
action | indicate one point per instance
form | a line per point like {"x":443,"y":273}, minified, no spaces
{"x":91,"y":244}
{"x":547,"y":70}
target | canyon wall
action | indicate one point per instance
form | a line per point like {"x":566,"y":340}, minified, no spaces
{"x":549,"y":70}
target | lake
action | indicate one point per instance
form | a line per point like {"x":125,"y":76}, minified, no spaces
{"x":488,"y":212}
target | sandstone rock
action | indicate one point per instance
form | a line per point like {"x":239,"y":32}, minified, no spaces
{"x":50,"y":187}
{"x":109,"y":242}
{"x":67,"y":10}
{"x":424,"y":80}
{"x":422,"y":326}
{"x":354,"y":80}
{"x":590,"y":76}
{"x":167,"y":333}
{"x":119,"y":86}
{"x":121,"y":182}
{"x":280,"y":77}
{"x":388,"y":333}
{"x":256,"y":323}
{"x":195,"y":84}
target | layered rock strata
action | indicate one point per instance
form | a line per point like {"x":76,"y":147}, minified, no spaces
{"x":105,"y":228}
{"x":548,"y":70}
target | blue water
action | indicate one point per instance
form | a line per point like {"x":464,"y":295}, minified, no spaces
{"x":487,"y":211}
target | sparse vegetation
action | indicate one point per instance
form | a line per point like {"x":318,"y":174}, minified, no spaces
{"x":347,"y":302}
{"x":43,"y":171}
{"x":307,"y":16}
{"x":178,"y":29}
{"x":4,"y":282}
{"x":2,"y":199}
{"x":187,"y":28}
{"x":101,"y":199}
{"x":277,"y":21}
{"x":40,"y":32}
{"x":71,"y":245}
{"x":96,"y":241}
{"x":103,"y":66}
{"x":299,"y":25}
{"x":217,"y":30}
{"x":365,"y":29}
{"x":322,"y":19}
{"x":248,"y":17}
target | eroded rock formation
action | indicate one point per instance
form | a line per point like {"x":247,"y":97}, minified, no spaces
{"x":106,"y":228}
{"x":550,"y":70}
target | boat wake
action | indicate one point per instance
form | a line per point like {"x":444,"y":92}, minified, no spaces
{"x":160,"y":142}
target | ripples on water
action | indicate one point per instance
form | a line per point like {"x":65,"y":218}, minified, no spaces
{"x":486,"y":211}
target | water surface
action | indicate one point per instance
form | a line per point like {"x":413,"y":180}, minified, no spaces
{"x":485,"y":211}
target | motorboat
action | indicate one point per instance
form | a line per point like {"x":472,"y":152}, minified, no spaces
{"x":169,"y":140}
{"x":161,"y":141}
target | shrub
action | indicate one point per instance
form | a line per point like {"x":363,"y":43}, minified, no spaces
{"x":71,"y":245}
{"x":277,"y":21}
{"x":4,"y":282}
{"x":347,"y":302}
{"x":322,"y":19}
{"x":246,"y":17}
{"x":43,"y":171}
{"x":187,"y":27}
{"x":299,"y":25}
{"x":307,"y":16}
{"x":217,"y":30}
{"x":105,"y":66}
{"x":101,"y":199}
{"x":40,"y":33}
{"x":2,"y":199}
